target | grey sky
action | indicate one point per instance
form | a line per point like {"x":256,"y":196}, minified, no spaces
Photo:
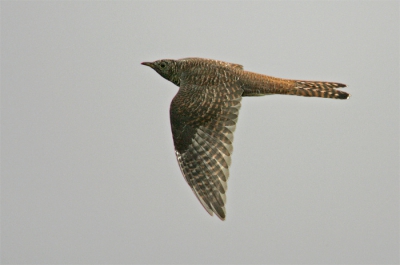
{"x":88,"y":172}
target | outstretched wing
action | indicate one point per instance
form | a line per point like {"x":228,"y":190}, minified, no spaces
{"x":203,"y":119}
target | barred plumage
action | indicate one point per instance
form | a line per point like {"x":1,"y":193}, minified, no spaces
{"x":204,"y":114}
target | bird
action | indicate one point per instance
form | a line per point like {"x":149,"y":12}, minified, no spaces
{"x":204,"y":114}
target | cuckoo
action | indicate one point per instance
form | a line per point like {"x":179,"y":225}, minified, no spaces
{"x":204,"y":113}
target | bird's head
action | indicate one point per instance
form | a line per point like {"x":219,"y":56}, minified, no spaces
{"x":166,"y":68}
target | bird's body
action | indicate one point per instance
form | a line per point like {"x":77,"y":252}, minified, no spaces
{"x":204,"y":114}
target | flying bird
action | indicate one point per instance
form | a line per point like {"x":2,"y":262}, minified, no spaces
{"x":204,"y":113}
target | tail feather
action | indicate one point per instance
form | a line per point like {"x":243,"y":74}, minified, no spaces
{"x":254,"y":84}
{"x":319,"y":89}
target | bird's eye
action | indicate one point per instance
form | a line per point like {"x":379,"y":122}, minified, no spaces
{"x":162,"y":65}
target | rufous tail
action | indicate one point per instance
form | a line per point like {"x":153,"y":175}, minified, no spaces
{"x":318,"y":89}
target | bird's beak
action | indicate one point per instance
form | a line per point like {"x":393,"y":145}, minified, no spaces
{"x":148,"y":64}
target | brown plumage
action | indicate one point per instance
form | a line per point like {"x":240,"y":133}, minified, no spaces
{"x":204,"y":114}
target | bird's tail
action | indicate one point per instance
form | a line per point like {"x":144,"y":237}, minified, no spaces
{"x":318,"y":89}
{"x":259,"y":85}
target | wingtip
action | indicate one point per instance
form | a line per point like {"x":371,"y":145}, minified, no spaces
{"x":219,"y":211}
{"x":221,"y":217}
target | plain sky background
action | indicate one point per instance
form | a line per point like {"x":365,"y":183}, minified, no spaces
{"x":88,"y":171}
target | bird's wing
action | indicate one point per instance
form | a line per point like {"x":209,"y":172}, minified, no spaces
{"x":203,"y":120}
